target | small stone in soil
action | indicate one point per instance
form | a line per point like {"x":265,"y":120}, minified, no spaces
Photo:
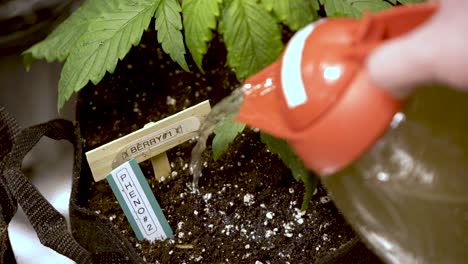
{"x":207,"y":196}
{"x":170,"y":101}
{"x":248,"y":199}
{"x":269,"y":233}
{"x":324,"y":199}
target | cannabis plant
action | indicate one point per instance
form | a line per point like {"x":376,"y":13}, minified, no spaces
{"x":101,"y":32}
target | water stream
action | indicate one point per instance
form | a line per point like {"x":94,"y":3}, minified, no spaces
{"x":225,"y":107}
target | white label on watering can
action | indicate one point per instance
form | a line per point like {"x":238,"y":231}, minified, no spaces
{"x":291,"y":69}
{"x":138,"y":202}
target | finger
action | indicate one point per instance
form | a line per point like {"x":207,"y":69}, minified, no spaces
{"x":404,"y":63}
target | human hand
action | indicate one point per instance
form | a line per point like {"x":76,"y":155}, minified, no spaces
{"x":435,"y":52}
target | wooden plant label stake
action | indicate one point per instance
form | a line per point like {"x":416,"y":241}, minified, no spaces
{"x":138,"y":202}
{"x":150,"y":141}
{"x":161,"y":166}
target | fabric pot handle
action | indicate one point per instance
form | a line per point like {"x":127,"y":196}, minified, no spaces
{"x":49,"y":224}
{"x":9,"y":129}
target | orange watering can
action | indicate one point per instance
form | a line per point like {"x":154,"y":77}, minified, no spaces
{"x":318,"y":95}
{"x":398,"y":171}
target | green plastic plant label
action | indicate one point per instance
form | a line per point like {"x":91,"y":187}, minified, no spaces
{"x":138,"y":202}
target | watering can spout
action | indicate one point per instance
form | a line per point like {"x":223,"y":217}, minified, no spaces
{"x":318,"y":95}
{"x":260,"y":100}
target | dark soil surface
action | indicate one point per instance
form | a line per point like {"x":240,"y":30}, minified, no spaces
{"x":248,"y":209}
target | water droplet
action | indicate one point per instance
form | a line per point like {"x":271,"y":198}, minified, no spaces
{"x":398,"y":118}
{"x":383,"y":176}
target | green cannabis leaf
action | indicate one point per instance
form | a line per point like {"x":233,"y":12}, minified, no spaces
{"x":109,"y":38}
{"x":287,"y":155}
{"x":315,"y":4}
{"x":169,"y":26}
{"x":225,"y":132}
{"x":59,"y":43}
{"x":294,"y":13}
{"x":411,"y":1}
{"x":251,"y":35}
{"x":268,"y":4}
{"x":352,"y":8}
{"x":370,"y":5}
{"x":340,"y":8}
{"x":199,"y":21}
{"x":310,"y":183}
{"x":292,"y":161}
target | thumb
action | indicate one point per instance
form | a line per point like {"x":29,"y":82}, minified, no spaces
{"x":401,"y":64}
